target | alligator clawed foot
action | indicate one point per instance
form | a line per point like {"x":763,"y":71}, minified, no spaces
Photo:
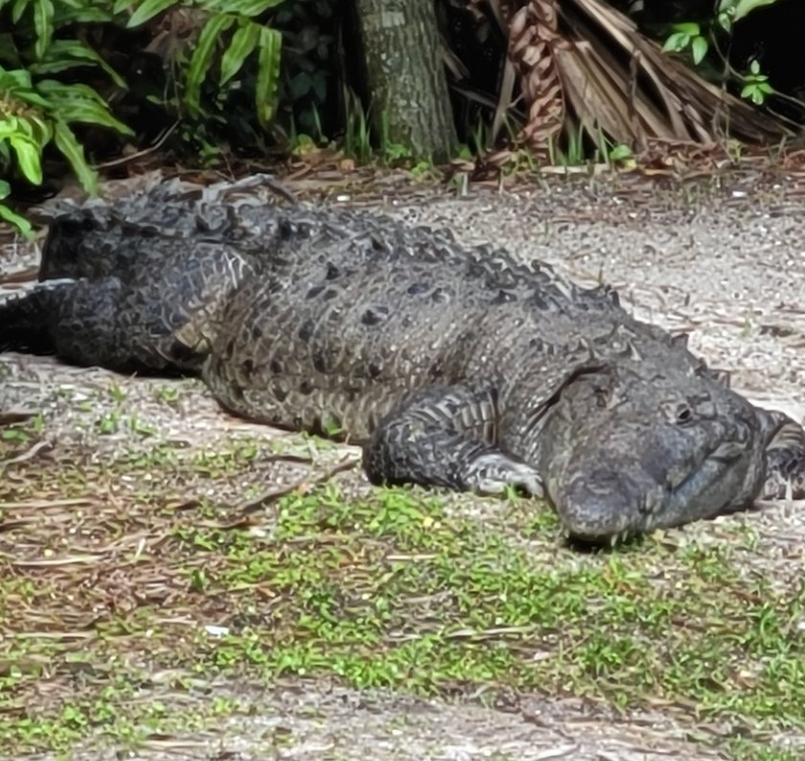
{"x":785,"y":464}
{"x":493,"y":473}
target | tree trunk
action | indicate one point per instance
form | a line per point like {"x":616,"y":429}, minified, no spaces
{"x":410,"y":103}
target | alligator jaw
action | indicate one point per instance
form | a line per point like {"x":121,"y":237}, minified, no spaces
{"x":605,"y":506}
{"x":648,"y":458}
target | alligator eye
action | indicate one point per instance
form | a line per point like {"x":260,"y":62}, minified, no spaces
{"x":678,"y":413}
{"x":684,"y":415}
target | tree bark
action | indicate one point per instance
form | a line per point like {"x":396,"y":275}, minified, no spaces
{"x":410,"y":103}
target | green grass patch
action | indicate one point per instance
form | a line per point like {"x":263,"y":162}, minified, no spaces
{"x":398,"y":589}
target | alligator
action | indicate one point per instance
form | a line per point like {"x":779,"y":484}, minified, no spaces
{"x":452,"y":366}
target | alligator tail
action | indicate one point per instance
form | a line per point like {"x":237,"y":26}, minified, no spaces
{"x":72,"y":318}
{"x":26,"y":320}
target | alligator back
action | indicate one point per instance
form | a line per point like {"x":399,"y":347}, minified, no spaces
{"x":342,"y":332}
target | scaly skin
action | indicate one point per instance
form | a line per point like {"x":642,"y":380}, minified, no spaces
{"x":453,"y":366}
{"x":627,"y":431}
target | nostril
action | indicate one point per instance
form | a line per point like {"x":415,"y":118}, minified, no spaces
{"x":604,"y":482}
{"x":602,"y":492}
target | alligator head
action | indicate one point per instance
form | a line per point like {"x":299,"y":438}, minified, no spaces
{"x":632,"y":448}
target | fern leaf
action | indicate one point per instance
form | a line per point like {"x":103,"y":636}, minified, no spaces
{"x":268,"y":75}
{"x":22,"y":224}
{"x":18,"y":9}
{"x":27,"y":152}
{"x":43,"y":24}
{"x":64,"y":54}
{"x":248,"y":8}
{"x":147,"y":10}
{"x":73,"y":151}
{"x":241,"y":47}
{"x":122,"y":5}
{"x":203,"y":58}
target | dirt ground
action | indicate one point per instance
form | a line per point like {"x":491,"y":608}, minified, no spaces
{"x":727,"y":263}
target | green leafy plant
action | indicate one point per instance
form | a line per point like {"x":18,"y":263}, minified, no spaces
{"x":228,"y":38}
{"x":357,"y":132}
{"x":34,"y":114}
{"x":730,"y":11}
{"x":309,"y":62}
{"x":37,"y":110}
{"x":699,"y":39}
{"x":756,"y":85}
{"x":45,"y":72}
{"x":686,"y":36}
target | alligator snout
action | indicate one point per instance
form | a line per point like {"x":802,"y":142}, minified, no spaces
{"x":607,"y":504}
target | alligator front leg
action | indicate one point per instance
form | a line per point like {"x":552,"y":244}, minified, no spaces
{"x":446,"y":436}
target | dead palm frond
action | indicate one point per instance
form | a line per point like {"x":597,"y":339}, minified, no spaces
{"x":582,"y":65}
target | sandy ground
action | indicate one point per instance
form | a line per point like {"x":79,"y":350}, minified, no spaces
{"x":726,"y":264}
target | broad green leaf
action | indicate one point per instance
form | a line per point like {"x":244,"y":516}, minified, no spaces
{"x":122,"y":5}
{"x":676,"y":42}
{"x":31,"y":97}
{"x":742,"y":8}
{"x":268,"y":75}
{"x":5,"y":189}
{"x":300,"y":85}
{"x":41,"y":130}
{"x":33,"y":128}
{"x":22,"y":127}
{"x":54,"y":67}
{"x":699,"y":49}
{"x":22,"y":224}
{"x":202,"y":59}
{"x":90,"y":113}
{"x":244,"y":7}
{"x":66,"y":16}
{"x":59,"y":91}
{"x":147,"y":10}
{"x":620,"y":152}
{"x":18,"y":9}
{"x":9,"y":126}
{"x":14,"y":78}
{"x":27,"y":152}
{"x":43,"y":23}
{"x":74,"y":152}
{"x":690,"y":29}
{"x":243,"y":42}
{"x":61,"y":51}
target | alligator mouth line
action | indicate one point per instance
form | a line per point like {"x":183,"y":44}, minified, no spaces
{"x":643,"y":509}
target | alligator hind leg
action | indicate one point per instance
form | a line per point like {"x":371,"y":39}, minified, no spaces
{"x":445,"y":436}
